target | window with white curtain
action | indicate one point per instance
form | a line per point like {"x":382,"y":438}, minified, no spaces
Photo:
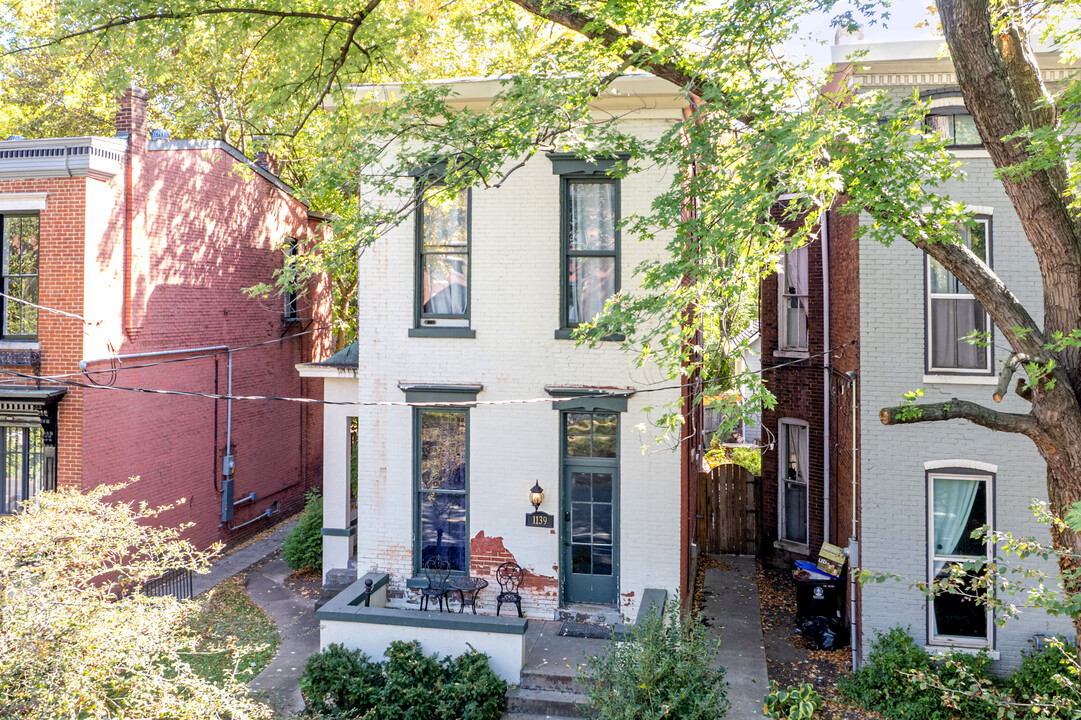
{"x":443,"y":257}
{"x":792,"y":480}
{"x":960,"y":503}
{"x":793,"y":301}
{"x":590,"y":247}
{"x":953,"y":313}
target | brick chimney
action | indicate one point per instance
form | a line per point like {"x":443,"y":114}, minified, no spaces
{"x":263,"y":158}
{"x":131,"y":117}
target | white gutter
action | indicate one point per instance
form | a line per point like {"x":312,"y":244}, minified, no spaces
{"x":826,"y":362}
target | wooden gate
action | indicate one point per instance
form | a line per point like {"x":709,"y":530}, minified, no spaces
{"x":729,"y":498}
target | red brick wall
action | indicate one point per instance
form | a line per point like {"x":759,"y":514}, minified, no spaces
{"x":60,"y":277}
{"x":798,"y":387}
{"x":206,"y":229}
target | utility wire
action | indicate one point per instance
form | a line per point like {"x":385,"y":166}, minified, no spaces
{"x":403,"y":403}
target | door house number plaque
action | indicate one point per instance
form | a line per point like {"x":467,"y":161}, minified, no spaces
{"x":539,"y":519}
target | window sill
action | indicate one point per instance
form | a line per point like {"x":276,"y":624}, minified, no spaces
{"x":568,"y":334}
{"x":950,"y":379}
{"x":943,"y":649}
{"x":443,"y":332}
{"x":19,"y":345}
{"x":792,"y":547}
{"x":799,"y":354}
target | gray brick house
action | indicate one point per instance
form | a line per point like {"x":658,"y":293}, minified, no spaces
{"x":919,"y":489}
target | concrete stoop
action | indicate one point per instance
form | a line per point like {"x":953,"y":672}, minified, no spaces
{"x":546,"y":692}
{"x":590,"y":613}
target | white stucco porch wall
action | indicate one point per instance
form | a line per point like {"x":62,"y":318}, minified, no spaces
{"x":894,"y":487}
{"x":515,"y":311}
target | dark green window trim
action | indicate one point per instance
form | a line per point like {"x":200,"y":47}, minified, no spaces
{"x":570,"y":164}
{"x":426,"y":181}
{"x":417,"y":446}
{"x":589,"y":399}
{"x":565,"y":253}
{"x":568,"y":334}
{"x":421,"y":392}
{"x":443,"y":332}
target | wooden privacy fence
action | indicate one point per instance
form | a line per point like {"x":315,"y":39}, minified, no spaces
{"x":729,"y":499}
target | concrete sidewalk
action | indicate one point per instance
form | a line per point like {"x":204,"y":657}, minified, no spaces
{"x":299,"y":629}
{"x":730,"y":609}
{"x":229,"y":565}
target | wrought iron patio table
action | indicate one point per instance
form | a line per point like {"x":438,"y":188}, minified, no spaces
{"x":467,"y":585}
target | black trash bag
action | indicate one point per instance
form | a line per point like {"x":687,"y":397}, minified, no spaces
{"x":823,"y":633}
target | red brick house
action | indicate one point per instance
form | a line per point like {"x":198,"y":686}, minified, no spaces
{"x":127,"y":257}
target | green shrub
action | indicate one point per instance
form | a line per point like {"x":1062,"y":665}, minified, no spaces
{"x":408,"y":685}
{"x":303,"y":549}
{"x":662,"y":670}
{"x":1048,"y":680}
{"x":900,"y":680}
{"x":792,"y":703}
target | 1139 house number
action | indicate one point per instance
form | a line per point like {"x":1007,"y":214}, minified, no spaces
{"x":539,"y":519}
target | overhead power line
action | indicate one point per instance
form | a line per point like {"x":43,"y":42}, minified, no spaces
{"x":404,"y":403}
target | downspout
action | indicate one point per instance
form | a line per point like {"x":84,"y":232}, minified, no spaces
{"x":824,"y":219}
{"x":129,"y":214}
{"x":853,"y":543}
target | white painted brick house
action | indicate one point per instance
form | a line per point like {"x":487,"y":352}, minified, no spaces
{"x":474,"y":299}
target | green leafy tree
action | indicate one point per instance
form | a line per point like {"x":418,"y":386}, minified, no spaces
{"x":759,"y":125}
{"x":78,"y":639}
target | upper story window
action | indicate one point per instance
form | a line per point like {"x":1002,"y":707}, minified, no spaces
{"x":291,"y":310}
{"x":793,"y":301}
{"x":21,"y":238}
{"x":443,"y":258}
{"x":960,"y":503}
{"x":952,"y":312}
{"x":590,"y":247}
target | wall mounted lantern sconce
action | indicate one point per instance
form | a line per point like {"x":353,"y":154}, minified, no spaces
{"x":536,"y":495}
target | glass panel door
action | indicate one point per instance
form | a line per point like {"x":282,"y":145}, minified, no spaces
{"x":590,"y":544}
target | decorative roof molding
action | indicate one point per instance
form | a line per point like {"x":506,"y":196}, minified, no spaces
{"x":98,"y":157}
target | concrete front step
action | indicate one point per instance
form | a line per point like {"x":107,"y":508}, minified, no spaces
{"x":522,"y":701}
{"x":590,"y":613}
{"x":549,"y":678}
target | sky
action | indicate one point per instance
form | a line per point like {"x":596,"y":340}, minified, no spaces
{"x":904,"y":16}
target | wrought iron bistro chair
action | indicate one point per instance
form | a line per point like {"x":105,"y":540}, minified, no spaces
{"x":509,"y":575}
{"x":437,"y":570}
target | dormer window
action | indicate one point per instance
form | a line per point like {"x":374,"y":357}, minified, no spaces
{"x":955,"y":126}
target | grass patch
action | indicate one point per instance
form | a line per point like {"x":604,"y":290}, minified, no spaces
{"x":236,"y":638}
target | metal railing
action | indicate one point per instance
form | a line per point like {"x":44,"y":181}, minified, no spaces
{"x":175,"y":582}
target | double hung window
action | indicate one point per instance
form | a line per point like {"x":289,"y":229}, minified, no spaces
{"x":590,"y":247}
{"x":22,"y":459}
{"x":443,"y":257}
{"x":291,"y":309}
{"x":441,"y":507}
{"x":952,"y":312}
{"x":792,"y":468}
{"x":960,"y":503}
{"x":955,"y":126}
{"x":21,"y":235}
{"x":792,"y":316}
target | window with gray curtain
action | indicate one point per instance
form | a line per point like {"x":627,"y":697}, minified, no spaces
{"x":21,"y":235}
{"x":960,"y":504}
{"x":590,"y":246}
{"x":794,"y":299}
{"x":952,"y":312}
{"x":793,"y":470}
{"x":443,"y":254}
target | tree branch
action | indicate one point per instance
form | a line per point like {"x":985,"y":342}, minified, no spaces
{"x":131,"y":20}
{"x":638,"y":53}
{"x":955,"y":409}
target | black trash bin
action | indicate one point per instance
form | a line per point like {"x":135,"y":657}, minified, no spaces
{"x":819,"y":597}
